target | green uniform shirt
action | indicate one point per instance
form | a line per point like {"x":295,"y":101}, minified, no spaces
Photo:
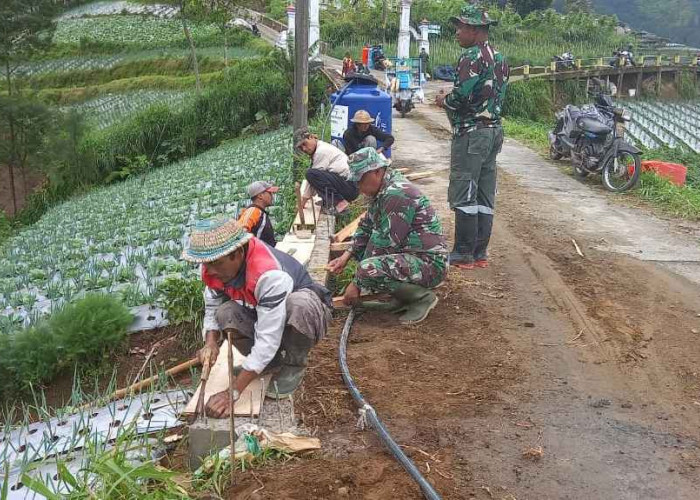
{"x":400,"y":219}
{"x":480,"y":85}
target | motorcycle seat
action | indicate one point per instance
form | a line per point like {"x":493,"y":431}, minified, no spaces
{"x":593,"y":126}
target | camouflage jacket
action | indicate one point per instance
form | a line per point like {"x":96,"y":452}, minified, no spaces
{"x":399,"y":220}
{"x":480,"y":85}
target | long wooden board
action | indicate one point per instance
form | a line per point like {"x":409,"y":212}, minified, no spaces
{"x":250,"y":400}
{"x":348,"y":230}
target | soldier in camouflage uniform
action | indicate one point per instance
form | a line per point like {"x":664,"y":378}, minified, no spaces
{"x":399,"y":243}
{"x":474,"y":109}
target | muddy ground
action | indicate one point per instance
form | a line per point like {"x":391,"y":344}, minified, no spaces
{"x":547,"y":375}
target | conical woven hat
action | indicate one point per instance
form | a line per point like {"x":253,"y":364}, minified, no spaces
{"x":211,"y":239}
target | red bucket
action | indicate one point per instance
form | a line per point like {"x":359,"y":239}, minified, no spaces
{"x":674,"y":172}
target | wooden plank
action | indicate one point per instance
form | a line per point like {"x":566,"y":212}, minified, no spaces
{"x":420,"y":175}
{"x":348,"y":230}
{"x":218,"y":381}
{"x":299,"y":248}
{"x":341,"y":246}
{"x":338,"y":301}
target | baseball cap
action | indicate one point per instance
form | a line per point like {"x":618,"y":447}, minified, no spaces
{"x":259,"y":187}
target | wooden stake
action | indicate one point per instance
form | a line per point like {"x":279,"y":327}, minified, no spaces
{"x":300,"y":207}
{"x":232,"y":431}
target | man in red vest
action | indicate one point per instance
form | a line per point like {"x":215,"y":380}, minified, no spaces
{"x":265,"y":297}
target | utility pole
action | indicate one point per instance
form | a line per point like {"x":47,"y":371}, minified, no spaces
{"x":301,"y":73}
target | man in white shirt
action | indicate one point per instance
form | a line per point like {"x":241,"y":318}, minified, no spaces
{"x":265,"y":297}
{"x":328,"y":175}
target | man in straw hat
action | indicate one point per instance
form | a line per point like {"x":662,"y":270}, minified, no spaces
{"x":474,"y":109}
{"x":364,"y":134}
{"x":255,"y":218}
{"x":265,"y":297}
{"x":399,"y":244}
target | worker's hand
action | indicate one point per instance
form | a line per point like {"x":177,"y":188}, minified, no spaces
{"x":304,"y":201}
{"x":219,"y":405}
{"x":351,"y":295}
{"x":380,"y":150}
{"x":336,"y":266}
{"x":210,"y":351}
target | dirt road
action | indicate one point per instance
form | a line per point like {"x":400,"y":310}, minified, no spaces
{"x":546,"y":376}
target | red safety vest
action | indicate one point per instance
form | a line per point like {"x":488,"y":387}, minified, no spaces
{"x":259,"y":260}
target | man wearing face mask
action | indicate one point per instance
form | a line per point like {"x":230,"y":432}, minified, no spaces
{"x":474,"y":109}
{"x":265,"y":297}
{"x":399,"y":245}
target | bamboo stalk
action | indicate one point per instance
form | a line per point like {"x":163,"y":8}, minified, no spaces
{"x":137,"y":387}
{"x":232,"y":431}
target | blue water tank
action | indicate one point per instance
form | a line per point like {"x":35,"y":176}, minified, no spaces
{"x":363,"y":92}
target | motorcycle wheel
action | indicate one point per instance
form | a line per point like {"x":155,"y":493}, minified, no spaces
{"x":554,"y":154}
{"x":622,"y":172}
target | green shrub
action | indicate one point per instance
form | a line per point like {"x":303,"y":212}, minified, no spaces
{"x":89,"y":328}
{"x":35,"y":356}
{"x":82,"y":332}
{"x":183,"y":299}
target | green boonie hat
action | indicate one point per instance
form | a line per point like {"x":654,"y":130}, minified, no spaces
{"x":363,"y":161}
{"x":211,"y":239}
{"x":473,"y":16}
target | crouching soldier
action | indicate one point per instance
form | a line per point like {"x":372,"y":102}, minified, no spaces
{"x":265,"y":297}
{"x":399,"y":244}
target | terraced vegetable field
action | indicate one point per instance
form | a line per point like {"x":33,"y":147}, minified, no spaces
{"x":126,"y":238}
{"x":121,"y":7}
{"x":657,"y":123}
{"x":109,"y":109}
{"x":129,"y":31}
{"x":107,"y":61}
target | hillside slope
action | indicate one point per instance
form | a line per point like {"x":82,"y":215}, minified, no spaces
{"x":678,"y":20}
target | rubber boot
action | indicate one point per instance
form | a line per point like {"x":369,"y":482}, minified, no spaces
{"x":393,"y":306}
{"x":466,"y":230}
{"x":485,"y":224}
{"x":291,"y":373}
{"x":417,"y":301}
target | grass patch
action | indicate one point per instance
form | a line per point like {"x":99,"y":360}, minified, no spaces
{"x":65,"y":96}
{"x":129,"y":69}
{"x":532,"y":134}
{"x":679,"y":201}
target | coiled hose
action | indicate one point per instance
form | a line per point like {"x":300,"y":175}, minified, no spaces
{"x":368,"y":415}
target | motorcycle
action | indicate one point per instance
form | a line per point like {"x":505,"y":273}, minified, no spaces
{"x":593,"y":138}
{"x":564,"y":62}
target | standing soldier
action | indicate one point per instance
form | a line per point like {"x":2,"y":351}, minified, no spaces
{"x":474,"y":109}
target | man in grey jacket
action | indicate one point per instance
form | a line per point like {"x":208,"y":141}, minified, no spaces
{"x":265,"y":297}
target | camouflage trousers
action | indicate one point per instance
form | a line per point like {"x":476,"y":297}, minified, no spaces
{"x":384,"y":273}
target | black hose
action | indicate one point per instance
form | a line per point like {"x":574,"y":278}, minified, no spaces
{"x":368,"y":413}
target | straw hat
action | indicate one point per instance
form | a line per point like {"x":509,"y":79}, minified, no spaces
{"x":211,"y":239}
{"x":362,"y":116}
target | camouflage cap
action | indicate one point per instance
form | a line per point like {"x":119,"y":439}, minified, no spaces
{"x":473,"y":16}
{"x":363,"y":161}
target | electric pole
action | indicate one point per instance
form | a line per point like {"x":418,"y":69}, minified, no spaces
{"x":301,"y":71}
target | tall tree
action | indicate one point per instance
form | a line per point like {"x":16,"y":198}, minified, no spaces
{"x":524,"y":7}
{"x":571,"y":6}
{"x":25,"y":26}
